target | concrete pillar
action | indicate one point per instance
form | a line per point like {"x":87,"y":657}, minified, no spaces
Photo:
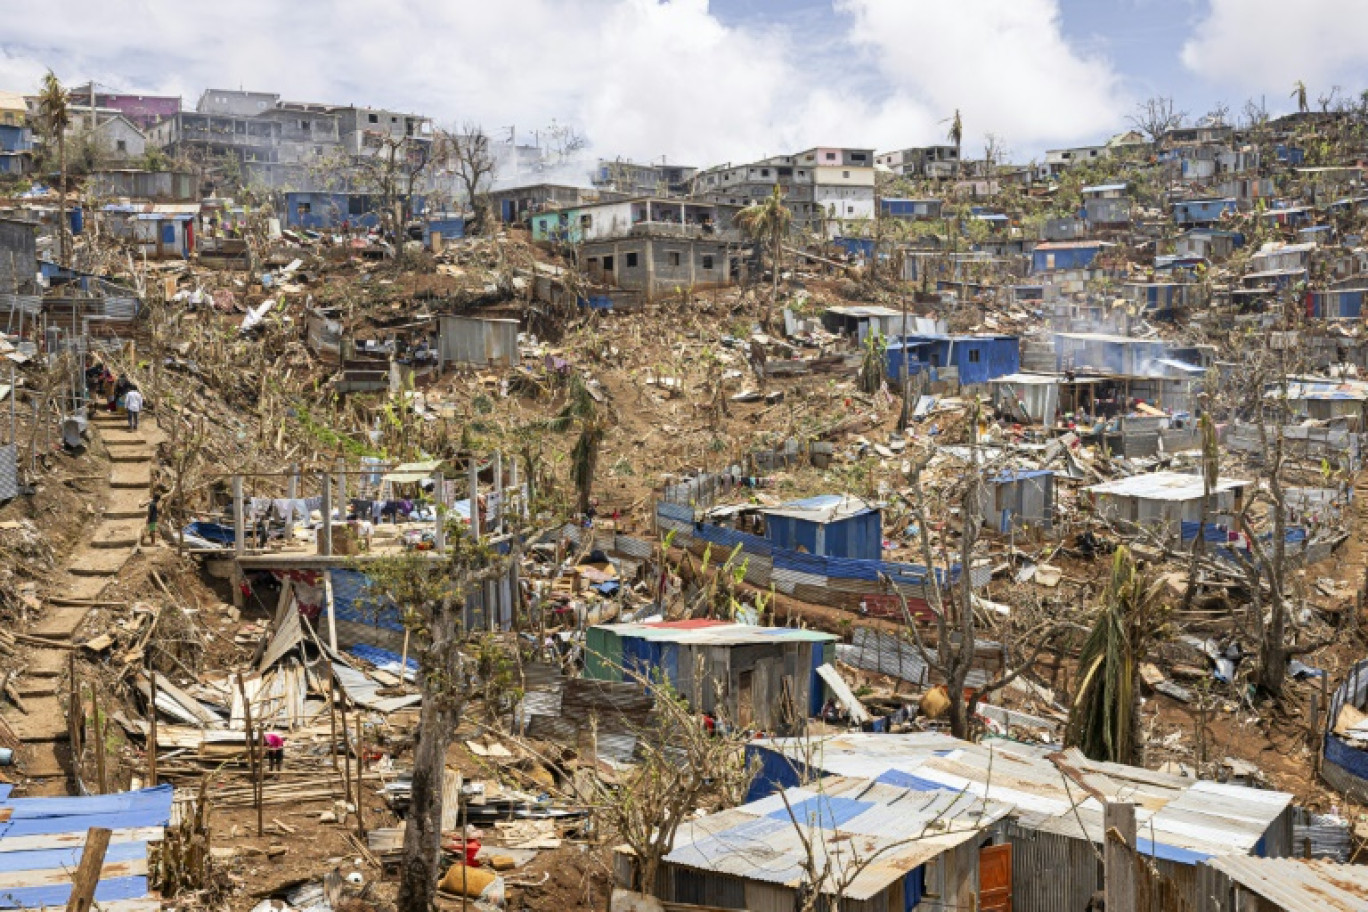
{"x":239,"y":520}
{"x":291,"y":492}
{"x":474,"y":497}
{"x":498,"y":492}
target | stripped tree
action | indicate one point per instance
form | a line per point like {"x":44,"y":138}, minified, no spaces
{"x":55,"y":116}
{"x":429,"y":590}
{"x":952,"y":601}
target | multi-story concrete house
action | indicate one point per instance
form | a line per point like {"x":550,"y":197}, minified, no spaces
{"x":362,"y":131}
{"x":235,"y":103}
{"x":635,"y":179}
{"x":827,"y":188}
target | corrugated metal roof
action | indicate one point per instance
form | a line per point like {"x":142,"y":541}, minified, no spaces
{"x":1186,"y":820}
{"x":718,"y":633}
{"x":868,"y":310}
{"x":1071,"y":245}
{"x":1164,"y":486}
{"x":871,"y":834}
{"x":1322,"y":389}
{"x":824,"y":508}
{"x":1299,"y":886}
{"x":1028,"y":379}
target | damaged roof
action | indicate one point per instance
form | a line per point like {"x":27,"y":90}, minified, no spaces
{"x":872,"y":834}
{"x":1299,"y":886}
{"x":1181,"y":819}
{"x":1164,"y":486}
{"x":824,"y":508}
{"x":708,"y":632}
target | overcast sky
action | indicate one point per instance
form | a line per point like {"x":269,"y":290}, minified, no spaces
{"x":705,"y":82}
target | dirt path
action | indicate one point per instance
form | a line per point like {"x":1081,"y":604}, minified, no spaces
{"x":46,"y":757}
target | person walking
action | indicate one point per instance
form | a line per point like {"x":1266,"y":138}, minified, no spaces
{"x":153,"y":514}
{"x":133,"y":403}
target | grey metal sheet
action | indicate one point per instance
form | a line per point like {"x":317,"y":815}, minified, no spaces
{"x":1299,"y":886}
{"x":9,"y":472}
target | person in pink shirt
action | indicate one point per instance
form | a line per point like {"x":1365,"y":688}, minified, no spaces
{"x":275,"y":752}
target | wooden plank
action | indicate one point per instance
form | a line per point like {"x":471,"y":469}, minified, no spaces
{"x":88,"y":873}
{"x":69,"y":840}
{"x":51,"y":877}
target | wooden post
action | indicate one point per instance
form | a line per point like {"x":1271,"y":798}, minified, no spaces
{"x":74,"y":729}
{"x":474,"y":497}
{"x":88,"y":872}
{"x":327,"y":514}
{"x":360,"y":772}
{"x":292,"y":493}
{"x":152,"y":739}
{"x":403,"y":662}
{"x":1325,"y":721}
{"x":260,"y":785}
{"x":332,"y":720}
{"x":1118,"y":826}
{"x":253,"y":761}
{"x":439,"y":512}
{"x":239,"y":530}
{"x":332,"y":611}
{"x":346,"y":739}
{"x":342,"y":486}
{"x":100,"y":770}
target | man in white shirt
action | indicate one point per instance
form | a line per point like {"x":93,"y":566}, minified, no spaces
{"x":133,"y":402}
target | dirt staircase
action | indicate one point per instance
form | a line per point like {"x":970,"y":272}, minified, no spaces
{"x":93,"y":565}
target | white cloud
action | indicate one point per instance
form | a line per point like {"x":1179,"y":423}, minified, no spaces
{"x":640,"y":78}
{"x":1005,"y":64}
{"x":1265,"y":46}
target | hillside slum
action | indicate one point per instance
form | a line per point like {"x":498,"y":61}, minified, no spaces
{"x":616,"y":549}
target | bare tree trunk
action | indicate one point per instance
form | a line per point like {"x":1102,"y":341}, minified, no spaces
{"x":1273,"y":652}
{"x":441,"y":710}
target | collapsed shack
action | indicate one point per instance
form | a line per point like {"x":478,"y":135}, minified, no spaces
{"x":1344,"y":750}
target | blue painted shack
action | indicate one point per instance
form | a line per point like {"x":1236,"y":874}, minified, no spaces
{"x":911,"y":209}
{"x":16,"y":146}
{"x":1054,"y":256}
{"x":1341,"y":304}
{"x":978,"y":359}
{"x":449,"y":225}
{"x":831,"y":525}
{"x":751,"y":676}
{"x":1290,"y":155}
{"x":324,"y":211}
{"x":1203,"y":211}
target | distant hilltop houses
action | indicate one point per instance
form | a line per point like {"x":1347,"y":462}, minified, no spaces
{"x":1184,"y":197}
